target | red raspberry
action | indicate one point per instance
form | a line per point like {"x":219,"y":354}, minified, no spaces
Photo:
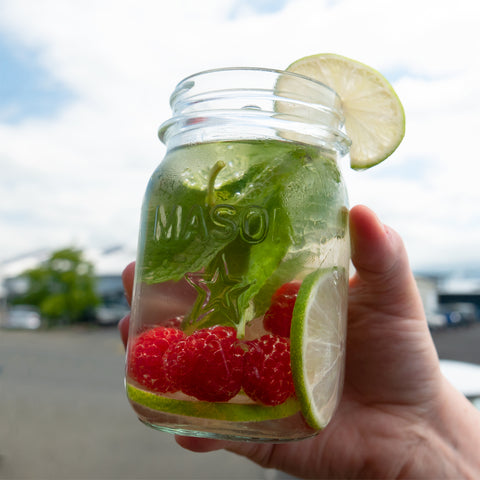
{"x":208,"y":364}
{"x":267,"y":376}
{"x":146,"y":358}
{"x":278,"y":318}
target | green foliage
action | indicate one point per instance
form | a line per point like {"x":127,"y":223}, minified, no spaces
{"x":62,"y":287}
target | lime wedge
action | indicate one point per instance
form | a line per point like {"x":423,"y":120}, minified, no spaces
{"x":374,"y":116}
{"x":318,"y":343}
{"x":233,"y":412}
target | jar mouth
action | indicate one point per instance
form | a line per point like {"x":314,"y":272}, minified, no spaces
{"x":260,"y":102}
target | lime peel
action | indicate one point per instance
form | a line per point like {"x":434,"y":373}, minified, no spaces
{"x":232,"y":412}
{"x":318,"y":343}
{"x":374,"y":115}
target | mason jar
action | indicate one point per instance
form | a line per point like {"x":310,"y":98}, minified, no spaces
{"x":239,"y":306}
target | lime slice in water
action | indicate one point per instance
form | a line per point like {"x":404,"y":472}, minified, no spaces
{"x":233,"y":412}
{"x":318,"y":343}
{"x":374,"y":116}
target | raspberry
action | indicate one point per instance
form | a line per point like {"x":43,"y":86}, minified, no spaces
{"x":267,"y":376}
{"x":278,"y":318}
{"x":208,"y":364}
{"x":146,"y":358}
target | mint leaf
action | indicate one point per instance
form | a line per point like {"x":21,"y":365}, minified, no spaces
{"x":233,"y":243}
{"x":236,"y":275}
{"x":176,"y":234}
{"x":183,"y":234}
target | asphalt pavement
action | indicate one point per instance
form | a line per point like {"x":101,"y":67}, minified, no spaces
{"x":64,"y":414}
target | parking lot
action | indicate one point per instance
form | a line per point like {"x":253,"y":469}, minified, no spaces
{"x":64,"y":414}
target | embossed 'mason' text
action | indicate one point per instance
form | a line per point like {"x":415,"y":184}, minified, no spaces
{"x":222,"y":222}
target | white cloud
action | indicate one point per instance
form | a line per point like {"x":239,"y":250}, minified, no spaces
{"x":79,"y":176}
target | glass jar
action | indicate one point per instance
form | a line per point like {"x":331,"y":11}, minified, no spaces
{"x":238,"y":317}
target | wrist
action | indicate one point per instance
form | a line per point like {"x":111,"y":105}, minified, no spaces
{"x":462,"y":428}
{"x":450,"y":439}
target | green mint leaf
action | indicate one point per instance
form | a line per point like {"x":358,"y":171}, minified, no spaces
{"x":239,"y":235}
{"x":183,"y":234}
{"x":236,"y":276}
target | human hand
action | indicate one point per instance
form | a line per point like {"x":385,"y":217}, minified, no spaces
{"x":398,"y":417}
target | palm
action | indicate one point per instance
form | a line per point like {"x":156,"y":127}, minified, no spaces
{"x":380,"y":394}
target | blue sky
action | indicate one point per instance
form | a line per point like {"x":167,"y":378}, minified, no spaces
{"x":84,"y":86}
{"x":26,"y":89}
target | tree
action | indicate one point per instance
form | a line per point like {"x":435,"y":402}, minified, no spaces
{"x":62,"y":287}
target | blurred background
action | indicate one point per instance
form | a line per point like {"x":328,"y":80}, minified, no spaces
{"x":83,"y":89}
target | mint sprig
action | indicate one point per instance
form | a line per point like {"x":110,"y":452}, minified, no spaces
{"x":197,"y":233}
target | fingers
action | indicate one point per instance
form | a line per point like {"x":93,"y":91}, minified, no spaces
{"x":375,"y":247}
{"x":122,"y":326}
{"x":127,"y":279}
{"x":383,"y":275}
{"x":258,"y":453}
{"x":195,"y":444}
{"x":391,"y":357}
{"x":164,"y":302}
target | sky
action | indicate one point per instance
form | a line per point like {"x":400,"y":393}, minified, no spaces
{"x":85,"y":85}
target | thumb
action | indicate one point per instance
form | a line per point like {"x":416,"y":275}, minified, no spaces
{"x":383,"y":278}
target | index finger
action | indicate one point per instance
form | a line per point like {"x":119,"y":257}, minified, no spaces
{"x":127,"y":279}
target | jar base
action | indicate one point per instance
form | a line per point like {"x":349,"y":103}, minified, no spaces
{"x":267,"y":431}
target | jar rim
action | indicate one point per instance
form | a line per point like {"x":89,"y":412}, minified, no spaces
{"x":305,"y":102}
{"x":252,"y":69}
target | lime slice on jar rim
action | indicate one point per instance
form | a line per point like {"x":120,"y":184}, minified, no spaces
{"x":317,"y":339}
{"x":374,"y":115}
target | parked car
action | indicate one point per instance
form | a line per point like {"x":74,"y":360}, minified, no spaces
{"x":23,"y":317}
